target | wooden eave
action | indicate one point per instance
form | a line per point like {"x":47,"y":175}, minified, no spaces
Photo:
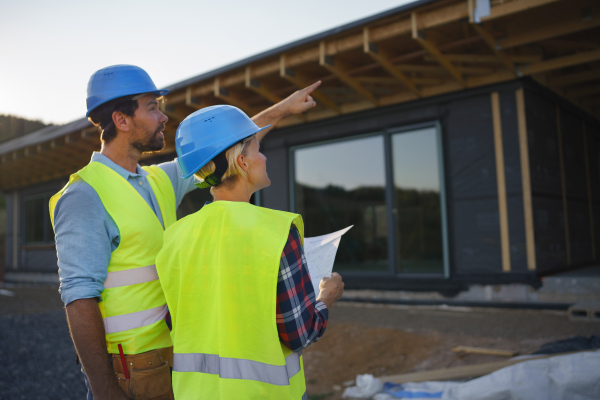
{"x":426,"y":49}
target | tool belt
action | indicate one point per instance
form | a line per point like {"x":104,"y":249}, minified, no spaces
{"x":149,"y":374}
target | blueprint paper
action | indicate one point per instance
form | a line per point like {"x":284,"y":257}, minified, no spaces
{"x":320,"y":255}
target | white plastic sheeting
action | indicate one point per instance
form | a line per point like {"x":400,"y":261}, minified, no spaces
{"x":366,"y":387}
{"x":570,"y":377}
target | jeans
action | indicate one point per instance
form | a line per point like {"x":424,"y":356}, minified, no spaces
{"x":87,"y":384}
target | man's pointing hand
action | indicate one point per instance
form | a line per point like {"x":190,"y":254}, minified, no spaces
{"x":296,"y":103}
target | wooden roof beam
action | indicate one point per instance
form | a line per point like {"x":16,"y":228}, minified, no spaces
{"x":390,"y":30}
{"x":572,"y":79}
{"x":340,"y":70}
{"x":582,"y":92}
{"x":487,"y":59}
{"x":258,"y":87}
{"x":224,"y":94}
{"x":196,"y":102}
{"x":433,"y":50}
{"x":171,"y":111}
{"x":560,"y":62}
{"x":513,"y":7}
{"x":571,"y":24}
{"x":301,"y":82}
{"x":383,"y":57}
{"x":192,"y":101}
{"x":491,"y":42}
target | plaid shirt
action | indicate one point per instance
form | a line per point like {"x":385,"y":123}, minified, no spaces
{"x":301,"y":319}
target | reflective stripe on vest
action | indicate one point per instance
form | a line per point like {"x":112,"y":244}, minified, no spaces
{"x":125,"y":322}
{"x":236,"y":368}
{"x":131,"y":277}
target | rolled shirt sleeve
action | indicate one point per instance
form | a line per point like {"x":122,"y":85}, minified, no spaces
{"x":84,"y":242}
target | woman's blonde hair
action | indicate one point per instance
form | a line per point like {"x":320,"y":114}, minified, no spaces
{"x":234,"y":171}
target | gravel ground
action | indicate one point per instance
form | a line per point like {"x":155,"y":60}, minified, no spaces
{"x":39,"y":359}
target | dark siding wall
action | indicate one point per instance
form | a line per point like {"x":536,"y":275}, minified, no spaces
{"x":593,"y":144}
{"x":544,"y":160}
{"x":550,"y":220}
{"x":471,"y":167}
{"x":576,"y":188}
{"x":277,"y":195}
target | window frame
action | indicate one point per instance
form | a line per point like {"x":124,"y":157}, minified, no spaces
{"x":386,"y":135}
{"x":47,"y":223}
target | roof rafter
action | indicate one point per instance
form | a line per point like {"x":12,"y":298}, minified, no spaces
{"x":301,"y":82}
{"x":340,"y":70}
{"x":509,"y":8}
{"x":419,"y":36}
{"x":383,"y":58}
{"x":571,"y":24}
{"x":258,"y":87}
{"x":489,"y":40}
{"x":224,"y":94}
{"x":571,"y":79}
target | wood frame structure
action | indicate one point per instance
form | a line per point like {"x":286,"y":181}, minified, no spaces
{"x":424,"y":49}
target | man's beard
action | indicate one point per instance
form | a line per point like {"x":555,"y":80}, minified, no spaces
{"x":155,"y":143}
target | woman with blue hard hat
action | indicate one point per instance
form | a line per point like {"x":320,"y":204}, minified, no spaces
{"x":109,"y":223}
{"x":234,"y":274}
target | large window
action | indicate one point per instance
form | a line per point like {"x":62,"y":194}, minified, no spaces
{"x":389,"y":186}
{"x":342,"y":184}
{"x":417,"y":205}
{"x":37,"y":227}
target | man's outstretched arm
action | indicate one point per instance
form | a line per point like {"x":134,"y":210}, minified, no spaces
{"x":296,"y":103}
{"x":87,"y":331}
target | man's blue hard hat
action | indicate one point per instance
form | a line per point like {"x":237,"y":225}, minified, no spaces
{"x":209,"y":131}
{"x":116,"y":81}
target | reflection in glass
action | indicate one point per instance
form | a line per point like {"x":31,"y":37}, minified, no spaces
{"x":417,"y":207}
{"x":343,"y":184}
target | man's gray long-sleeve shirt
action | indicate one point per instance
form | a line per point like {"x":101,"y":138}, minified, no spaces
{"x":86,"y":235}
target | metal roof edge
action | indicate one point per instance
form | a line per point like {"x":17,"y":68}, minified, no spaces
{"x":43,"y":135}
{"x":330,"y":32}
{"x":46,"y":134}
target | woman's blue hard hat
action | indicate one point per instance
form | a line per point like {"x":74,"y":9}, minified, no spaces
{"x":209,"y":131}
{"x":116,"y":81}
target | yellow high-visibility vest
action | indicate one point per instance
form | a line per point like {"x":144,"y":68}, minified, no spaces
{"x":219,"y":269}
{"x":133,"y":305}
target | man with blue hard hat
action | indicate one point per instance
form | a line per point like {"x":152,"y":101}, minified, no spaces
{"x":109,"y":222}
{"x":235,"y":275}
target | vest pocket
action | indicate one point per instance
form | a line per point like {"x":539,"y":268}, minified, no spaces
{"x":151,"y":384}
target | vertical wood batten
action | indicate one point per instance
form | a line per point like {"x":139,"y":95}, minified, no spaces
{"x":589,"y":188}
{"x":526,"y":181}
{"x":501,"y":182}
{"x":563,"y":184}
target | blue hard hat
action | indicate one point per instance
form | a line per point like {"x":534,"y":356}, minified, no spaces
{"x":209,"y":131}
{"x":117,"y":81}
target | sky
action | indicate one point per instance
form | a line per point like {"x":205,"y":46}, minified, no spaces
{"x":49,"y":49}
{"x":360,"y":162}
